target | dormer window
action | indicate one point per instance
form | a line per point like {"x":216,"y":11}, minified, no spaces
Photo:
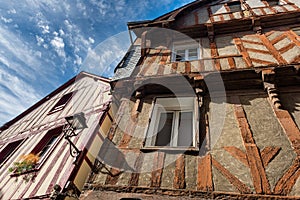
{"x":186,"y":52}
{"x":234,"y":6}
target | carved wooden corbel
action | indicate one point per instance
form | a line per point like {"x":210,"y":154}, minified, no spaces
{"x":137,"y":106}
{"x":256,"y":25}
{"x":268,"y":77}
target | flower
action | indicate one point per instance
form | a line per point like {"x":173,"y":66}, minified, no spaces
{"x":25,"y":163}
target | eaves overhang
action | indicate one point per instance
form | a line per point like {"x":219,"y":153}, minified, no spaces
{"x":166,"y":19}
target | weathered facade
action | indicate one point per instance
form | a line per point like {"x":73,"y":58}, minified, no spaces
{"x":208,"y":105}
{"x":39,"y":131}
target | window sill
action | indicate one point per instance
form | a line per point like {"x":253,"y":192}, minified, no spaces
{"x":15,"y":174}
{"x":183,"y":150}
{"x":181,"y":61}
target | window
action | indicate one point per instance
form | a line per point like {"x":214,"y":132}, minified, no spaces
{"x":61,"y":103}
{"x":296,"y":30}
{"x":234,"y":6}
{"x":8,"y":150}
{"x":186,"y":52}
{"x":47,"y":142}
{"x":273,"y":2}
{"x":173,"y":123}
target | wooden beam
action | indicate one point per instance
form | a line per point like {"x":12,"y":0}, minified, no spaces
{"x":268,"y":153}
{"x":113,"y":179}
{"x":231,"y":178}
{"x":288,"y":180}
{"x":204,"y":177}
{"x":238,"y":154}
{"x":272,"y":50}
{"x":134,"y":180}
{"x":158,"y":164}
{"x":243,"y":51}
{"x":290,"y":128}
{"x":179,"y":177}
{"x":259,"y":177}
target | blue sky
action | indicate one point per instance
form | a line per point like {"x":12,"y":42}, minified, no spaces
{"x":44,"y":43}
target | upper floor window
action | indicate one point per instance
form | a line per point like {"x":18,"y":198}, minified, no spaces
{"x":296,"y":30}
{"x":273,"y":2}
{"x":186,"y":51}
{"x":234,"y":6}
{"x":61,"y":103}
{"x":47,"y":143}
{"x":173,"y":123}
{"x":8,"y":150}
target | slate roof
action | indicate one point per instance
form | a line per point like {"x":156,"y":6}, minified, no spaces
{"x":128,"y":63}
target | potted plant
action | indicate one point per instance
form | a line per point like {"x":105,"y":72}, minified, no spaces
{"x":26,"y":163}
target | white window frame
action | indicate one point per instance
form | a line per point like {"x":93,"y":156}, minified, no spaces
{"x":186,"y":46}
{"x":174,"y":105}
{"x":296,"y":30}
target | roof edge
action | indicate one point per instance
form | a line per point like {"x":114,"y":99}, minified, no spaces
{"x":170,"y":16}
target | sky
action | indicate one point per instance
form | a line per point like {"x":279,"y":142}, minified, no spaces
{"x":44,"y":43}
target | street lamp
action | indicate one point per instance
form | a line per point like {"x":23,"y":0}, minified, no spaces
{"x":75,"y":123}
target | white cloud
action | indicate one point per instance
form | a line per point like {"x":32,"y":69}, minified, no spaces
{"x":39,"y":40}
{"x":91,"y":40}
{"x":6,"y":20}
{"x":17,"y":49}
{"x":15,"y":96}
{"x":12,"y":11}
{"x":68,"y":25}
{"x":55,"y":33}
{"x":106,"y":55}
{"x":45,"y":28}
{"x":58,"y":44}
{"x":78,"y":60}
{"x":61,"y":32}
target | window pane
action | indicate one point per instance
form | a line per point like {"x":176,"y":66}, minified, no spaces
{"x":180,"y":54}
{"x":61,"y":103}
{"x":47,"y":146}
{"x":273,"y":2}
{"x":296,"y":30}
{"x":185,"y":129}
{"x":43,"y":147}
{"x":8,"y":150}
{"x":193,"y":54}
{"x":164,"y":129}
{"x":234,"y":6}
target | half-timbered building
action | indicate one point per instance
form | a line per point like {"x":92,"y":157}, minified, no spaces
{"x":208,"y":106}
{"x":41,"y":157}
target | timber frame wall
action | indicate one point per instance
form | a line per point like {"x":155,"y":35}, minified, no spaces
{"x":256,"y":52}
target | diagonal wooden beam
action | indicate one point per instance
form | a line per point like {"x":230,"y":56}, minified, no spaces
{"x":268,"y":153}
{"x":243,"y":51}
{"x":238,"y":154}
{"x":290,"y":128}
{"x":288,"y":180}
{"x":272,"y":50}
{"x":259,"y":177}
{"x":231,"y":178}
